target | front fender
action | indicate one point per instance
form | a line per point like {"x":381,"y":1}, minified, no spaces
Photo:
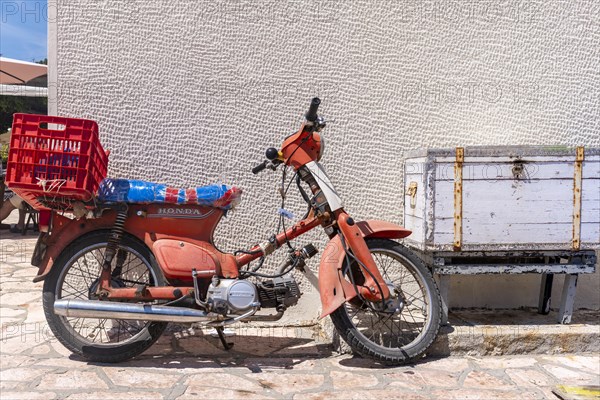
{"x":334,"y":289}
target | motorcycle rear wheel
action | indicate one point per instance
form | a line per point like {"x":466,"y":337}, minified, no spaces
{"x":392,"y":338}
{"x":75,"y":275}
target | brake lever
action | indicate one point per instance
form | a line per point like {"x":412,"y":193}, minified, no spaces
{"x":274,"y":164}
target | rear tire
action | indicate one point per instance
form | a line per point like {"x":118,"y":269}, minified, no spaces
{"x":401,"y":337}
{"x":75,"y":274}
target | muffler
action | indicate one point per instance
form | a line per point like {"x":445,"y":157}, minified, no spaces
{"x":116,"y":310}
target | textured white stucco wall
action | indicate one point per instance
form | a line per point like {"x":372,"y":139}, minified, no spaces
{"x":191,"y":92}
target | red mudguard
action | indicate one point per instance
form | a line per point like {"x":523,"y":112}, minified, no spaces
{"x":333,"y":287}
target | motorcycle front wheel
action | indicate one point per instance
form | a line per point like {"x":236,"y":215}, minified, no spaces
{"x":75,"y":275}
{"x":399,"y":337}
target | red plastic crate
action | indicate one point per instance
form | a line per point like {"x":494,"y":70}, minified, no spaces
{"x":51,"y":168}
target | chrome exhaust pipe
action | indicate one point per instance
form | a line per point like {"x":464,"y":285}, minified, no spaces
{"x":132,"y":311}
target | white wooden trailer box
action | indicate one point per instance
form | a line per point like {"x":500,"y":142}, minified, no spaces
{"x":502,"y":198}
{"x":506,"y":210}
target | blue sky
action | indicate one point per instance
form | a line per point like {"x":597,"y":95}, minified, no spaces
{"x":24,"y":29}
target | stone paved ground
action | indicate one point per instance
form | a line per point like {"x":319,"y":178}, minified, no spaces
{"x":290,"y":363}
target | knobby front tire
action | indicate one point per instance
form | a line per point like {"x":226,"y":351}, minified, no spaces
{"x":392,"y":338}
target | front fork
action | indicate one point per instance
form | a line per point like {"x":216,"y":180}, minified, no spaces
{"x":374,"y":289}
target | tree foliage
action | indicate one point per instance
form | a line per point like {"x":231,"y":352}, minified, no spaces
{"x":19,"y":104}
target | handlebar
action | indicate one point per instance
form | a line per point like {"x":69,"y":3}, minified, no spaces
{"x":259,"y":167}
{"x":272,"y":153}
{"x":272,"y":162}
{"x":311,"y":115}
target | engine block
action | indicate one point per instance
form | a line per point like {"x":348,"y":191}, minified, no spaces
{"x":232,"y":296}
{"x":279,"y":293}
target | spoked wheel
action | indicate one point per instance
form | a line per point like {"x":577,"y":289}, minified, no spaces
{"x":392,"y":337}
{"x":75,"y":275}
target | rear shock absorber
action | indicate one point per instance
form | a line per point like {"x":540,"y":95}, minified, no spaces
{"x":112,"y":246}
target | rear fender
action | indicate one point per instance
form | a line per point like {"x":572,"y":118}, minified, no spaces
{"x":64,"y":232}
{"x":334,"y":289}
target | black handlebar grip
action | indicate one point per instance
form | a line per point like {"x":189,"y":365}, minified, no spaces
{"x":311,"y":115}
{"x":259,"y":167}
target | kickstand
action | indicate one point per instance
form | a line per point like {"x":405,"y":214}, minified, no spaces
{"x":226,"y":345}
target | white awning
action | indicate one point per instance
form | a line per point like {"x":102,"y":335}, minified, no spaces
{"x":20,"y":90}
{"x":19,"y":72}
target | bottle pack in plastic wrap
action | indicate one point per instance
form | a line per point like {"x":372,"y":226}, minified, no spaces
{"x":137,"y":191}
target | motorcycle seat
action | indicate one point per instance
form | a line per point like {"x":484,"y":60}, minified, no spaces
{"x":141,"y":192}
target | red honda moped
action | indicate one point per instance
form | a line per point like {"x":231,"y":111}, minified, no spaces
{"x":138,"y":255}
